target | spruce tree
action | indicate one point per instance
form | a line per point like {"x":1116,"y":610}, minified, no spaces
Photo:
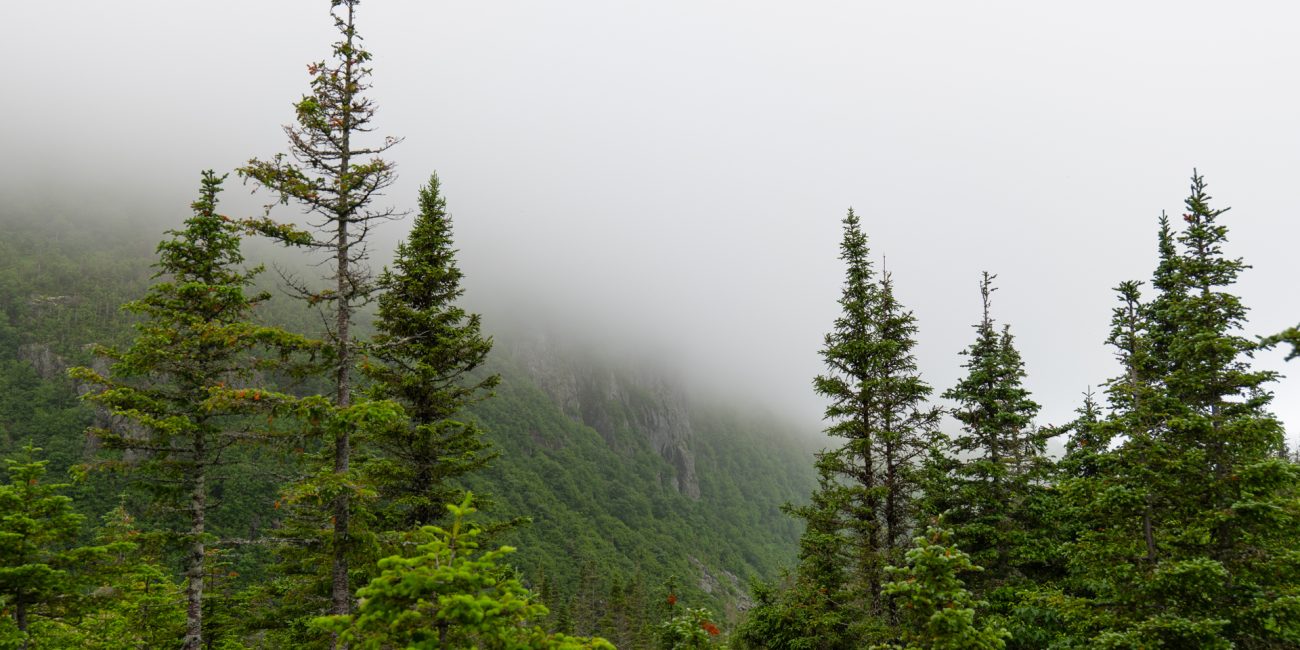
{"x":860,"y":517}
{"x":38,"y":531}
{"x":803,"y":611}
{"x":993,"y":468}
{"x":1241,"y":512}
{"x":1116,"y":496}
{"x":187,"y":380}
{"x":1084,"y":445}
{"x":425,"y":347}
{"x":450,"y":594}
{"x":1194,"y":519}
{"x":938,"y":610}
{"x":134,"y":602}
{"x":335,"y":178}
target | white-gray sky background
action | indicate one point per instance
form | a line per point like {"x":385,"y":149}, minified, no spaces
{"x":671,"y":175}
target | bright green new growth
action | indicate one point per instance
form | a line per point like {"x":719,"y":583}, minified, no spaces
{"x":37,"y":530}
{"x":449,"y":594}
{"x":693,"y":629}
{"x":937,"y":611}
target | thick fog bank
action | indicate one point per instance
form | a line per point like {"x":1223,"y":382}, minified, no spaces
{"x":670,"y":176}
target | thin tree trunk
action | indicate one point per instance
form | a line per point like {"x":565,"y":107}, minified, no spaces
{"x":873,"y":529}
{"x":20,"y":616}
{"x":1148,"y":532}
{"x":340,"y":591}
{"x":1148,"y":525}
{"x":893,"y":521}
{"x":194,"y":563}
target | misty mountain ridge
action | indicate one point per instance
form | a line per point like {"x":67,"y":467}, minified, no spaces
{"x":627,"y":473}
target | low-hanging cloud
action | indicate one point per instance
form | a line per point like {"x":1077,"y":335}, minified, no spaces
{"x":669,"y":177}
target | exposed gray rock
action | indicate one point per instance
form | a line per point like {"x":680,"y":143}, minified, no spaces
{"x":48,"y":365}
{"x":624,"y":406}
{"x":52,"y":367}
{"x":728,"y":585}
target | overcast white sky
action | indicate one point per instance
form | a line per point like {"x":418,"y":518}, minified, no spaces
{"x":675,"y":172}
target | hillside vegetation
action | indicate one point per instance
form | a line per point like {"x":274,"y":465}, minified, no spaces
{"x":598,"y":509}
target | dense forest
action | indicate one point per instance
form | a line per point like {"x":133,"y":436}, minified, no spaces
{"x":203,"y":454}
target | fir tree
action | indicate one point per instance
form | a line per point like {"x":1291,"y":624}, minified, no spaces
{"x":857,"y":523}
{"x":1194,"y":519}
{"x":335,"y":178}
{"x":450,"y":594}
{"x":185,"y":380}
{"x":993,"y":466}
{"x":38,"y":531}
{"x":426,"y":347}
{"x":939,"y":613}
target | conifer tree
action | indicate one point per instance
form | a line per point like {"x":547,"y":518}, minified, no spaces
{"x":335,"y":178}
{"x":993,"y":465}
{"x":449,"y":594}
{"x":1241,"y":512}
{"x":858,"y":522}
{"x":1116,"y":497}
{"x":939,"y":613}
{"x":135,"y":601}
{"x":425,"y":347}
{"x":1139,"y":479}
{"x":38,"y":531}
{"x":1085,"y":444}
{"x":185,"y":380}
{"x":804,"y":610}
{"x":1194,"y":519}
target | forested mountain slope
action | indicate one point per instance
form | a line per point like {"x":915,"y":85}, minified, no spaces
{"x":628,"y":475}
{"x":629,"y":483}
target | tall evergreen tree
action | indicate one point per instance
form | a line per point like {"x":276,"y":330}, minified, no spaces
{"x":993,"y":467}
{"x":335,"y":178}
{"x":1195,"y":518}
{"x":185,"y":380}
{"x":425,"y":347}
{"x":859,"y":521}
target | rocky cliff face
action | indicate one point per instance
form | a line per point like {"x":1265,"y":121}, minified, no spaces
{"x":54,"y":368}
{"x":628,"y":408}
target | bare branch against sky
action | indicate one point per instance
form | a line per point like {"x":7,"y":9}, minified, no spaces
{"x":675,"y":171}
